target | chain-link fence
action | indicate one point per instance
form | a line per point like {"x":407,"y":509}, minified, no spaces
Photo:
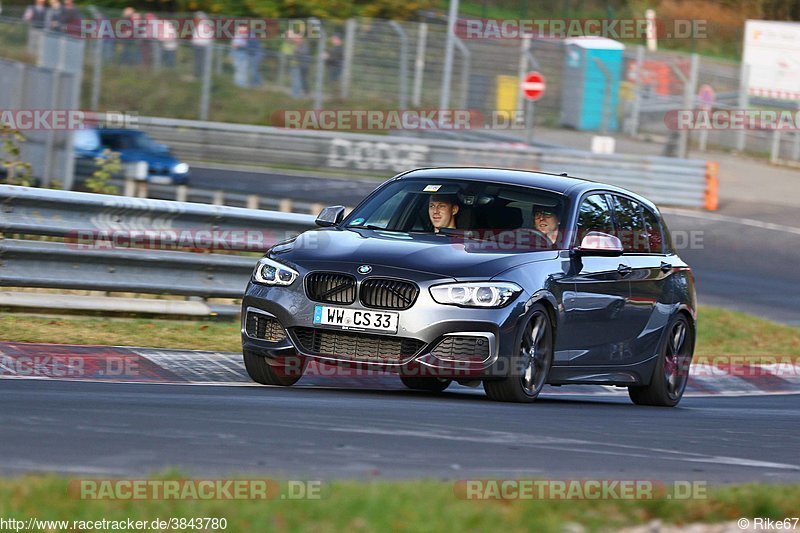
{"x":366,"y":64}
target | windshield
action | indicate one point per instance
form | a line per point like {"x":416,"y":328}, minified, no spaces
{"x":129,"y":141}
{"x":522,"y":218}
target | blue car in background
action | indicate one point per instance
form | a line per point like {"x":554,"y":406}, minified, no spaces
{"x":133,"y":146}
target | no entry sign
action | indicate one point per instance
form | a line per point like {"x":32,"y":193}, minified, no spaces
{"x":533,"y":86}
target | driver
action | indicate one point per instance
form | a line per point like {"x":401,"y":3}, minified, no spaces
{"x":442,"y":210}
{"x":545,"y":219}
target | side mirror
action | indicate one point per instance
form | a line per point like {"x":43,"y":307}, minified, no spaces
{"x":599,"y":244}
{"x":330,"y":216}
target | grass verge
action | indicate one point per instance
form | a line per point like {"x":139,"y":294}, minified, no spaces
{"x":720,"y":332}
{"x":398,"y":505}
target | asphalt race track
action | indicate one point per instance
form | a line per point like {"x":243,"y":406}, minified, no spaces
{"x":198,"y":411}
{"x":743,"y":258}
{"x":318,"y":433}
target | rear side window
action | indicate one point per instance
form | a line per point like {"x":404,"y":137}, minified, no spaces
{"x":655,"y":232}
{"x":631,"y":227}
{"x":595,"y":215}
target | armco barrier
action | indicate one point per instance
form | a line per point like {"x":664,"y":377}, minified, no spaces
{"x":70,"y":264}
{"x":667,"y":181}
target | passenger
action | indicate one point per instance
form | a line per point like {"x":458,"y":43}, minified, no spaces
{"x":442,"y":210}
{"x":546,"y":221}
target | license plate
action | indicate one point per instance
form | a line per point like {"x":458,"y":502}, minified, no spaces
{"x":356,"y":319}
{"x":166,"y":180}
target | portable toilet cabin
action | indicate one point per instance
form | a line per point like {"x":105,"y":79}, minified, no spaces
{"x":590,"y":83}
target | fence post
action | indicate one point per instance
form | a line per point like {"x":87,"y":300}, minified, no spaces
{"x":522,"y":67}
{"x":403,"y":96}
{"x":347,"y":66}
{"x":447,"y":72}
{"x":637,"y":93}
{"x":744,"y":103}
{"x":775,"y":152}
{"x":796,"y":144}
{"x":320,"y":68}
{"x":419,"y":63}
{"x":50,"y":142}
{"x":689,"y":90}
{"x":205,"y":94}
{"x":97,"y":74}
{"x":219,"y":58}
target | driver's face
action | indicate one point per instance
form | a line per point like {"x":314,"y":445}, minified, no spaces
{"x":442,"y":214}
{"x":545,"y":221}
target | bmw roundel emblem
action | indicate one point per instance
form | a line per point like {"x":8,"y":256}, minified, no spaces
{"x":364,"y":269}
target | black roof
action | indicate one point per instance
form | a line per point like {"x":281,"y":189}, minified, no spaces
{"x":558,"y":183}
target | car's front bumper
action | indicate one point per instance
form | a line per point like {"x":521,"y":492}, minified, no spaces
{"x":427,"y":322}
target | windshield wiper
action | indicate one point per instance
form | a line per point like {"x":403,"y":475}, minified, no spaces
{"x":374,"y":227}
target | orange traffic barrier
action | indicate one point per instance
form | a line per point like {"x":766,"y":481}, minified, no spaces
{"x":712,"y":186}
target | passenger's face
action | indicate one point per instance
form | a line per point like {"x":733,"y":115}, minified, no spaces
{"x":545,"y":221}
{"x":442,"y":214}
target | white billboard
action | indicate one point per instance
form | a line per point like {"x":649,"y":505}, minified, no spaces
{"x":772,"y":57}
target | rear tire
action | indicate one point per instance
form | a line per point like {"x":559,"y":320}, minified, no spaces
{"x":426,"y":384}
{"x":672,"y":367}
{"x":530,"y":366}
{"x":284,"y":375}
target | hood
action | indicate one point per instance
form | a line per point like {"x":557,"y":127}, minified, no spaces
{"x":441,"y":255}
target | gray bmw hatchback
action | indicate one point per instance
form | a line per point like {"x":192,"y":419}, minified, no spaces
{"x":508,"y":278}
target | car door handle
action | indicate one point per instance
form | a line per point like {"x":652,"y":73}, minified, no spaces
{"x":665,"y":267}
{"x":624,"y":269}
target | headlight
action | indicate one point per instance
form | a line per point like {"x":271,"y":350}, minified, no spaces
{"x":180,"y":168}
{"x":271,"y":272}
{"x":476,"y":294}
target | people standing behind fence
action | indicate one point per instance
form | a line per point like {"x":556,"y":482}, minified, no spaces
{"x":202,"y":38}
{"x":239,"y":56}
{"x":130,"y":49}
{"x":335,"y":57}
{"x":53,"y":18}
{"x":255,"y":55}
{"x":36,"y":17}
{"x":296,"y":50}
{"x":168,"y":37}
{"x":151,"y":51}
{"x":36,"y":14}
{"x":70,"y":18}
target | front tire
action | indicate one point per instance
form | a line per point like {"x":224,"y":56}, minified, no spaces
{"x":530,"y":366}
{"x":284,"y":375}
{"x":672,"y":367}
{"x":426,"y":384}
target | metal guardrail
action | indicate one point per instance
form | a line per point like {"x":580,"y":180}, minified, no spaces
{"x":61,"y":213}
{"x":74,"y":263}
{"x":667,"y":181}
